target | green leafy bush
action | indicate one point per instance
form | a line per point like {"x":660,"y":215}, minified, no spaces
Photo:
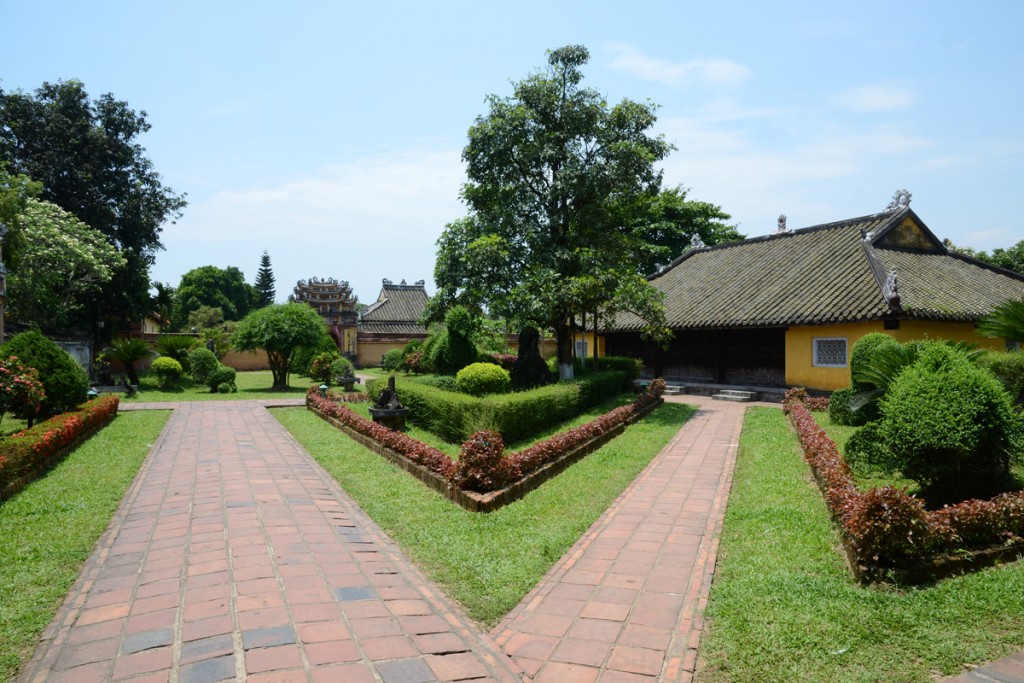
{"x":865,"y":451}
{"x":202,"y":362}
{"x":863,"y":351}
{"x":21,"y":392}
{"x":1008,"y":367}
{"x":167,"y":370}
{"x":455,"y":416}
{"x":445,"y":382}
{"x":839,"y":407}
{"x":483,"y":378}
{"x":342,"y":367}
{"x":222,"y":379}
{"x":392,"y":359}
{"x":949,"y":425}
{"x":64,"y":380}
{"x":320,"y":368}
{"x":453,"y":349}
{"x":303,"y":357}
{"x":631,"y":367}
{"x":176,"y":346}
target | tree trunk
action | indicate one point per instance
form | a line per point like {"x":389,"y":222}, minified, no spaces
{"x":129,"y":368}
{"x":563,"y":335}
{"x":596,"y":318}
{"x":279,"y":371}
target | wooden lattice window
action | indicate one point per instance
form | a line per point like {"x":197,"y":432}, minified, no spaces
{"x":830,"y":352}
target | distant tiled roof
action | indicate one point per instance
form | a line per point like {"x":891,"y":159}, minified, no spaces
{"x":837,"y":272}
{"x":397,"y":310}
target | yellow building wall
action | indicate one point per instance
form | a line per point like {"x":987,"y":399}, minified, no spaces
{"x":800,"y":368}
{"x":589,"y":338}
{"x":371,"y":353}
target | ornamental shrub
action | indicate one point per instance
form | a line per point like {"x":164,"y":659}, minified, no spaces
{"x":167,"y":370}
{"x":1008,"y":367}
{"x":21,"y":392}
{"x":320,"y":368}
{"x":202,"y":362}
{"x":505,"y":360}
{"x":341,"y":367}
{"x":176,"y":346}
{"x":64,"y":380}
{"x":839,"y":407}
{"x":445,"y":382}
{"x":453,"y":349}
{"x":630,"y":366}
{"x":483,"y":378}
{"x":222,"y":380}
{"x":949,"y":425}
{"x":887,"y":525}
{"x":480,"y":462}
{"x":303,"y":356}
{"x":392,"y":359}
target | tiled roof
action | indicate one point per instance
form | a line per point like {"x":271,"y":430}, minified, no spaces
{"x":398,"y":307}
{"x":829,"y":273}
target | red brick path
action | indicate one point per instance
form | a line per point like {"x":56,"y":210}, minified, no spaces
{"x":235,"y":557}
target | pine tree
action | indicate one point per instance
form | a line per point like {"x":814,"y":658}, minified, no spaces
{"x":265,"y":292}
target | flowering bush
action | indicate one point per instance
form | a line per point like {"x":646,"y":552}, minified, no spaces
{"x":480,"y":463}
{"x":320,"y":368}
{"x":505,"y":360}
{"x":34,"y":447}
{"x":21,"y":392}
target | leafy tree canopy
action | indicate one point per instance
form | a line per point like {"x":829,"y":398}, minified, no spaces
{"x":15,"y":191}
{"x":1011,"y":258}
{"x":556,"y":181}
{"x":62,"y":262}
{"x":223,"y":288}
{"x":86,"y":155}
{"x":279,"y":330}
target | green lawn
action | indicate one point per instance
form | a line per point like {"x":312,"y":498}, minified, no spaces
{"x":783,"y":606}
{"x":49,"y":529}
{"x":251,"y":384}
{"x":487,"y":562}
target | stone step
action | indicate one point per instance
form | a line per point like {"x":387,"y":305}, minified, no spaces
{"x":735,"y":395}
{"x":673,"y":391}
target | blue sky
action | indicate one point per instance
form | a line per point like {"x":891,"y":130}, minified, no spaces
{"x":330,"y":133}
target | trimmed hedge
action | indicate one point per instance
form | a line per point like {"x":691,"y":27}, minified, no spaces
{"x":1008,"y":367}
{"x":454,"y":416}
{"x":839,"y":407}
{"x":483,"y":465}
{"x":888,"y":529}
{"x":31,"y":450}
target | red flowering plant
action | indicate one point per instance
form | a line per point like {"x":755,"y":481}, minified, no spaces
{"x":32,"y":448}
{"x":21,"y":392}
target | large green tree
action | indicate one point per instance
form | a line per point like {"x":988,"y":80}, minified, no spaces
{"x":265,"y":291}
{"x":62,"y":262}
{"x":15,"y":192}
{"x":279,"y":330}
{"x":555,"y":182}
{"x":223,"y":288}
{"x":86,"y":154}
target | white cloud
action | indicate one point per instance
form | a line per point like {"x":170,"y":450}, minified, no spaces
{"x":875,"y":98}
{"x":719,"y":72}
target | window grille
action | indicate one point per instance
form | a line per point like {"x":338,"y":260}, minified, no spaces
{"x":830,"y":352}
{"x":581,"y":348}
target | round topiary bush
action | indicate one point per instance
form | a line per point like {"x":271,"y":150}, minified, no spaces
{"x":167,"y":371}
{"x":320,"y":368}
{"x":483,"y":378}
{"x":392,"y":359}
{"x":839,"y":407}
{"x":222,"y":379}
{"x":950,"y":425}
{"x":341,"y":367}
{"x":863,"y":351}
{"x":64,"y":380}
{"x":201,"y":362}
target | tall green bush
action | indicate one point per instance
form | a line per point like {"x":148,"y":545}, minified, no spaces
{"x":303,"y":357}
{"x":949,"y":425}
{"x":454,"y":348}
{"x":320,"y":368}
{"x":201,"y":362}
{"x":1008,"y":367}
{"x":64,"y":380}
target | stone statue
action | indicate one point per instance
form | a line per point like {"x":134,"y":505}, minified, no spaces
{"x":900,"y":200}
{"x":388,"y":399}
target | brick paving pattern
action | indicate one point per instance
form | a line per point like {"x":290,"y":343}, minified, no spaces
{"x":235,"y":557}
{"x":625,"y":603}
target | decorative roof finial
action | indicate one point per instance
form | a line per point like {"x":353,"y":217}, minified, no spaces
{"x":892,"y":286}
{"x":782,"y":225}
{"x":900,"y":200}
{"x":696,"y":242}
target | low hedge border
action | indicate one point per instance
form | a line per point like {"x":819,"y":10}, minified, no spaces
{"x":529,"y":467}
{"x":31,"y":452}
{"x":888,"y":535}
{"x":454,"y":416}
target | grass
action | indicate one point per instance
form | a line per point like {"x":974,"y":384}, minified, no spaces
{"x":784,"y":607}
{"x":49,"y":529}
{"x":487,"y":562}
{"x":251,"y":384}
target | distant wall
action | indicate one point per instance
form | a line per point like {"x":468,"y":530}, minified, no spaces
{"x":246,"y":360}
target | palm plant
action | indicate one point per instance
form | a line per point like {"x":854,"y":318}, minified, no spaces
{"x":128,"y":352}
{"x":176,"y":346}
{"x":1006,"y":321}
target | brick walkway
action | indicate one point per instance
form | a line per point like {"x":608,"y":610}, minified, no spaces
{"x":235,"y":557}
{"x":625,"y":603}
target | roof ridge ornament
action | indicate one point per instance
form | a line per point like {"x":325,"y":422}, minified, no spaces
{"x":696,"y":242}
{"x":900,"y":200}
{"x":892,"y":287}
{"x":781,"y":229}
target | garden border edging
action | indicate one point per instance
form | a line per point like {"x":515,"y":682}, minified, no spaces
{"x":493,"y":500}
